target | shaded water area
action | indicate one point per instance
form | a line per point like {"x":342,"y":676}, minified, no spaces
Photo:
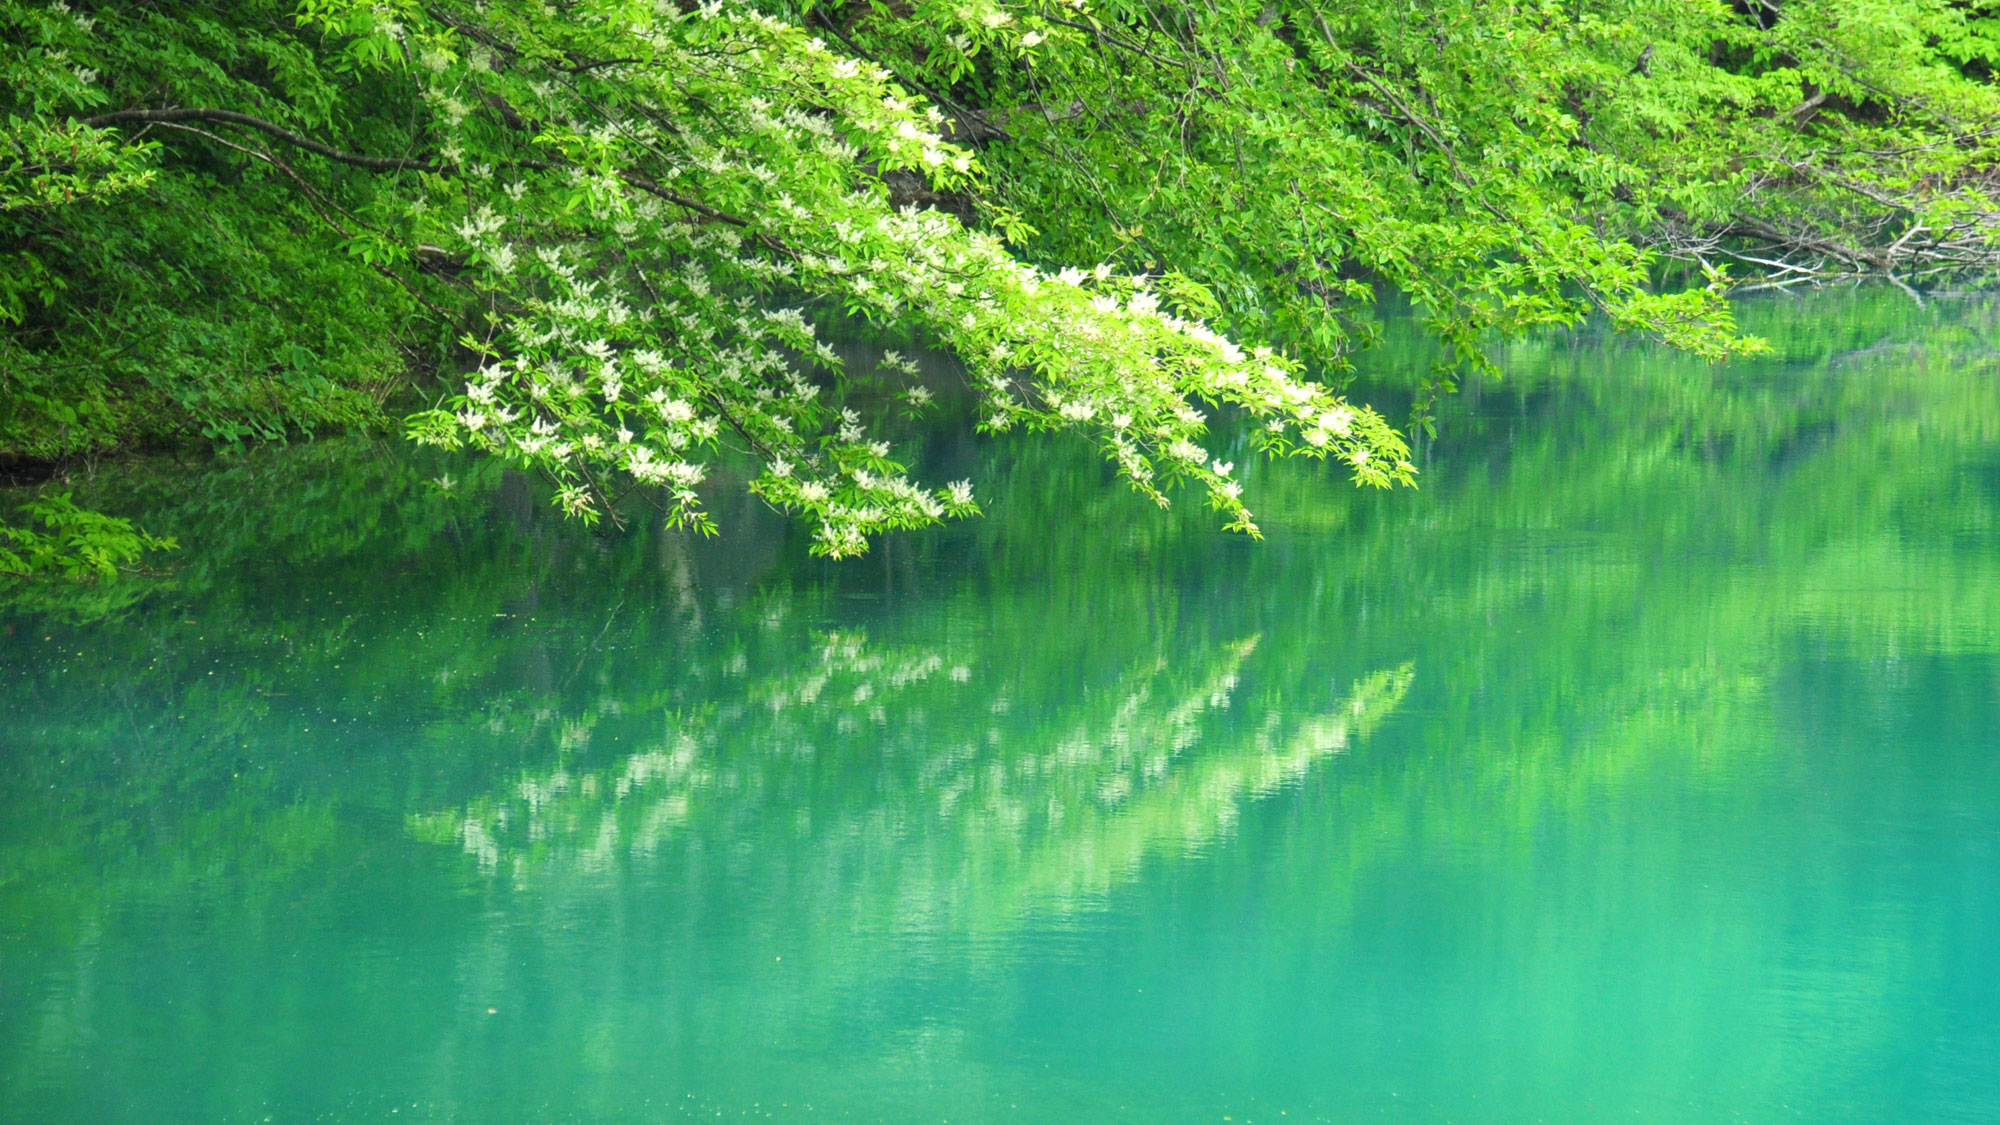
{"x":1642,"y":765}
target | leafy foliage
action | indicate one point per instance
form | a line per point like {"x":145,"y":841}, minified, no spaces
{"x":72,"y":542}
{"x":156,"y":296}
{"x":617,"y":228}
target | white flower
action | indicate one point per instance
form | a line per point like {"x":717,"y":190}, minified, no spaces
{"x":960,"y":491}
{"x":1031,"y":39}
{"x":813,"y":492}
{"x":1339,"y":420}
{"x":642,"y":464}
{"x":684,"y":474}
{"x":781,"y":468}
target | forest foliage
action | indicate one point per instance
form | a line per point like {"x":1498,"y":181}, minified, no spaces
{"x":603,"y":239}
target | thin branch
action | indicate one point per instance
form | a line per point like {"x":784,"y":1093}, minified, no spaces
{"x":230,"y":116}
{"x":318,"y":204}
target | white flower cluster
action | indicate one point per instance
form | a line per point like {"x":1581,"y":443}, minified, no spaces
{"x":644,"y":286}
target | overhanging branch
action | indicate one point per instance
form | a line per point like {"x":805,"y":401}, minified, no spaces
{"x":230,"y":116}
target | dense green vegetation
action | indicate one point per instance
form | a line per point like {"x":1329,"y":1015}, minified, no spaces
{"x":600,"y":238}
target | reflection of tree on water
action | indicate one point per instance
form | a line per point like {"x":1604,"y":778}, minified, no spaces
{"x":969,"y":813}
{"x":1615,"y":558}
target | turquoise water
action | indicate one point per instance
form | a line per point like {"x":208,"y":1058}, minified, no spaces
{"x":1644,"y":765}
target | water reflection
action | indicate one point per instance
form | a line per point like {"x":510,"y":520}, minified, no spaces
{"x":989,"y":818}
{"x":1641,"y":761}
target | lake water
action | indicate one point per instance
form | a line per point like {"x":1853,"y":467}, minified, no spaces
{"x":1643,"y":765}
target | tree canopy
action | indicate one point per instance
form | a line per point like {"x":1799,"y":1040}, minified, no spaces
{"x":606,"y":237}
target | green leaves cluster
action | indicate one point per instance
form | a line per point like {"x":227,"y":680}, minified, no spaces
{"x":614,"y":229}
{"x":160,"y":284}
{"x":61,"y":540}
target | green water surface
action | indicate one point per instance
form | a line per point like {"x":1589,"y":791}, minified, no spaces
{"x":1643,"y":765}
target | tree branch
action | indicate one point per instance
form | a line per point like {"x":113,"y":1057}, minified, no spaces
{"x":230,"y":116}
